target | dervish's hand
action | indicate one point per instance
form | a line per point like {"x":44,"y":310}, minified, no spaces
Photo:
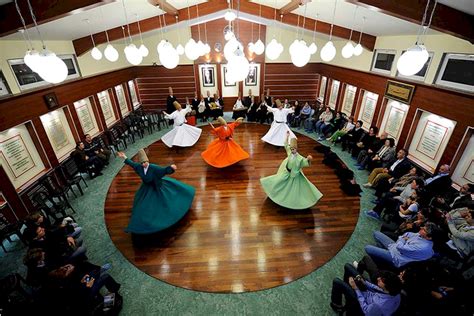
{"x":309,"y":157}
{"x":121,"y":154}
{"x":174,"y":167}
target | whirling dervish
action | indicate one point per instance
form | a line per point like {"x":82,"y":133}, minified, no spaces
{"x":289,"y":187}
{"x":224,"y":151}
{"x":182,"y":134}
{"x":160,"y":201}
{"x":276,"y":135}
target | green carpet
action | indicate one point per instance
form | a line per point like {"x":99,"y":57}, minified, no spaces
{"x":145,"y":295}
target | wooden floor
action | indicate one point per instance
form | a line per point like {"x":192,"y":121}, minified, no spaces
{"x":234,"y":239}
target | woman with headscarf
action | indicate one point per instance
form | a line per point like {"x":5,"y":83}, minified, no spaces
{"x":160,"y":202}
{"x":289,"y":187}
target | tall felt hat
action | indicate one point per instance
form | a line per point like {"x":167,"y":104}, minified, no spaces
{"x":278,"y":102}
{"x":142,"y":156}
{"x":221,"y":120}
{"x":177,"y":105}
{"x":293,"y":143}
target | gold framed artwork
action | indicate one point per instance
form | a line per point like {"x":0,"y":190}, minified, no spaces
{"x":399,"y":91}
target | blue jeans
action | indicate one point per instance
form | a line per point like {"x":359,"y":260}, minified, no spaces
{"x":380,"y":255}
{"x":319,"y":126}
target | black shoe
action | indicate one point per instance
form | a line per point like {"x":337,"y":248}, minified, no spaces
{"x":336,"y":308}
{"x":98,"y":174}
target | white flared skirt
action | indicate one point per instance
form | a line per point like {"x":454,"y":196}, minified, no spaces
{"x":182,"y":136}
{"x":277,"y":134}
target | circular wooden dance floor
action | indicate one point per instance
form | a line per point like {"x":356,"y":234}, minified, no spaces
{"x":234,"y":239}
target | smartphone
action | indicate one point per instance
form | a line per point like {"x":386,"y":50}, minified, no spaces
{"x":87,"y":279}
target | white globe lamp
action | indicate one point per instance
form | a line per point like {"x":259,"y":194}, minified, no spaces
{"x":143,"y":50}
{"x":52,"y":69}
{"x":259,"y":47}
{"x":347,"y":50}
{"x":190,"y":49}
{"x":230,"y":48}
{"x":413,"y":60}
{"x":328,"y":52}
{"x":32,"y":59}
{"x":96,"y":53}
{"x":230,"y":16}
{"x":358,"y":50}
{"x":313,"y":48}
{"x":180,"y":49}
{"x":132,"y":54}
{"x":110,"y":53}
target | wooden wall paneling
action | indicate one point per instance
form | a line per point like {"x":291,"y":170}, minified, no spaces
{"x":377,"y":111}
{"x":11,"y":196}
{"x":382,"y":112}
{"x":100,"y":117}
{"x":327,"y":93}
{"x":358,"y":103}
{"x":128,"y":98}
{"x":77,"y":122}
{"x":219,"y":79}
{"x":196,"y":80}
{"x":39,"y":147}
{"x":115,"y":103}
{"x":22,"y":107}
{"x":262,"y":79}
{"x":462,"y":146}
{"x":342,"y":91}
{"x":288,"y":81}
{"x":355,"y":102}
{"x":153,"y":83}
{"x":72,"y":124}
{"x":48,"y":148}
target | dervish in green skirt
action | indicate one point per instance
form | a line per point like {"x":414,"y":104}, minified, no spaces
{"x":289,"y":187}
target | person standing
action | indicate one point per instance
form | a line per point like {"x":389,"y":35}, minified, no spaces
{"x":289,"y":187}
{"x":160,"y":202}
{"x":224,"y":151}
{"x":169,"y":102}
{"x":182,"y":134}
{"x":276,"y":135}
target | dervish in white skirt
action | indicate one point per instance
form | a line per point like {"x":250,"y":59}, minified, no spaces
{"x":277,"y":135}
{"x":182,"y":134}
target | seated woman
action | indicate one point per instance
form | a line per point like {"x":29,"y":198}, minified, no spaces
{"x":239,"y":109}
{"x":336,"y":136}
{"x":304,"y":114}
{"x":336,"y":124}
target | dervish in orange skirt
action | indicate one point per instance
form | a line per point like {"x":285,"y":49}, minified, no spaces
{"x":224,"y":151}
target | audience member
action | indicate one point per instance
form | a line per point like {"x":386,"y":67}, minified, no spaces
{"x":93,"y":165}
{"x":396,"y":170}
{"x":348,"y":126}
{"x":325,"y":119}
{"x":93,"y":148}
{"x":239,"y":109}
{"x":353,"y":136}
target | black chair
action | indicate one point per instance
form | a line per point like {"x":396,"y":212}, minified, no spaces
{"x":71,"y":175}
{"x":115,"y":139}
{"x":56,"y":191}
{"x":152,"y":120}
{"x":161,"y":119}
{"x":53,"y":208}
{"x":8,"y":229}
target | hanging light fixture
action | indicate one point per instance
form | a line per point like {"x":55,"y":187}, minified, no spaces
{"x":358,"y":48}
{"x":48,"y":66}
{"x":259,"y":47}
{"x":200,"y":45}
{"x":230,"y":15}
{"x":348,"y":49}
{"x":167,"y":54}
{"x":95,"y":52}
{"x":413,"y":60}
{"x":207,"y":47}
{"x":274,"y":48}
{"x":328,"y":52}
{"x":132,"y":53}
{"x":313,"y":48}
{"x":142,"y":49}
{"x":31,"y":57}
{"x":299,"y":51}
{"x":191,"y":49}
{"x":179,"y":48}
{"x":251,"y":44}
{"x":110,"y":53}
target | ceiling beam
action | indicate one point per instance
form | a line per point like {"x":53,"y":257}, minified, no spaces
{"x":290,"y":6}
{"x":84,"y":44}
{"x":44,"y":10}
{"x":165,"y":6}
{"x":445,"y":19}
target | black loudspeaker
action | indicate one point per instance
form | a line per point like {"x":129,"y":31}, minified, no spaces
{"x":51,"y":100}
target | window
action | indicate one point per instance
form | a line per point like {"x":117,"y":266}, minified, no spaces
{"x":28,"y":79}
{"x":383,"y":61}
{"x":456,"y":71}
{"x":322,"y":89}
{"x":420,"y":75}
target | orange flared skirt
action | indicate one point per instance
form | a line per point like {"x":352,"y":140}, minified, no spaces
{"x":223,"y":153}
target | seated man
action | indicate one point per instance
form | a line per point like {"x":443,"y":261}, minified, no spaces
{"x":396,"y":170}
{"x":353,"y":136}
{"x":438,"y":184}
{"x":93,"y":148}
{"x":92,"y":165}
{"x":408,"y":248}
{"x":363,"y":297}
{"x":239,"y":109}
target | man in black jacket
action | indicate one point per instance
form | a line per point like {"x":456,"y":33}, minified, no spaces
{"x":353,"y":136}
{"x":396,"y":170}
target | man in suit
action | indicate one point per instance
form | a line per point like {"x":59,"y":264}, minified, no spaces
{"x":247,"y":101}
{"x":195,"y":102}
{"x":438,"y":184}
{"x":460,"y":199}
{"x":208,"y":101}
{"x":396,"y":170}
{"x":169,"y":103}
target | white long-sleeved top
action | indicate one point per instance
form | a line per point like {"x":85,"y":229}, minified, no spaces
{"x":179,"y":117}
{"x":238,"y":105}
{"x":279,"y":116}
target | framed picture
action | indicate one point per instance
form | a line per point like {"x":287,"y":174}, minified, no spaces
{"x":226,"y":82}
{"x":28,"y":79}
{"x":4,"y":88}
{"x":399,"y":91}
{"x":251,"y":79}
{"x":208,"y":78}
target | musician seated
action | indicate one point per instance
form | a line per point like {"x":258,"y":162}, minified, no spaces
{"x":216,"y":107}
{"x":202,"y":110}
{"x":239,"y":109}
